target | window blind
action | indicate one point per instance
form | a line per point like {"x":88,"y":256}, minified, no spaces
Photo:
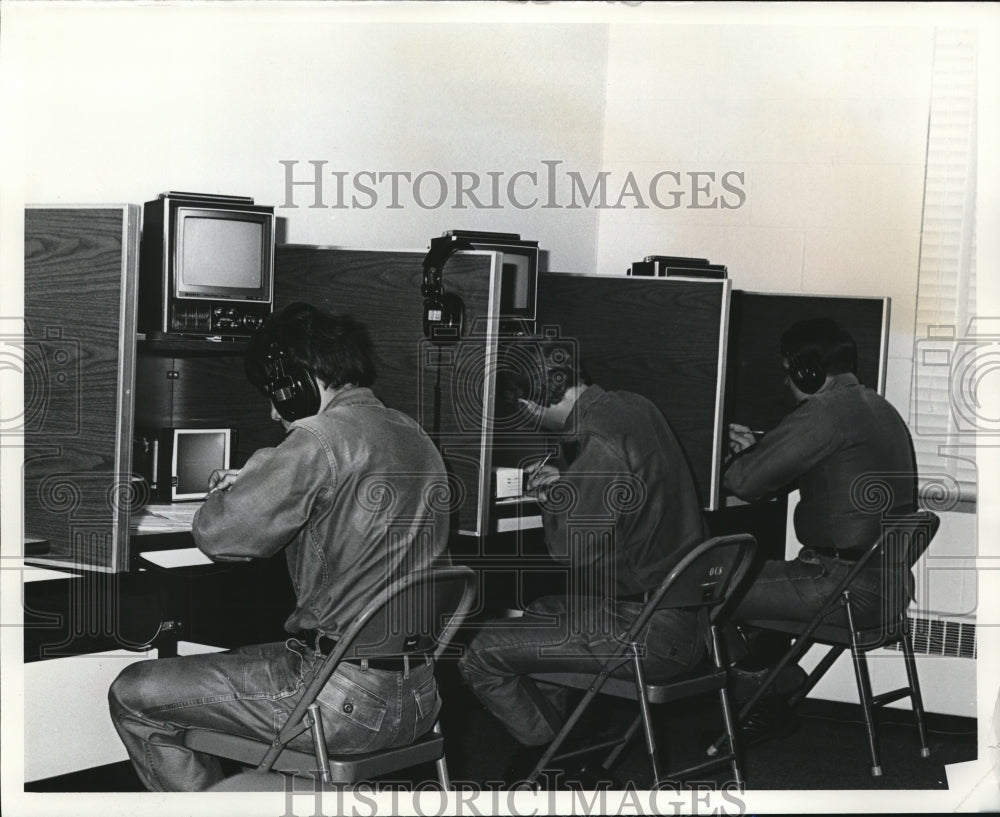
{"x":949,"y":336}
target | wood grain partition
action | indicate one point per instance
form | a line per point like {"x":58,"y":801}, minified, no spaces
{"x":663,"y":338}
{"x":447,"y":389}
{"x":206,"y":388}
{"x":756,"y":394}
{"x":80,"y":267}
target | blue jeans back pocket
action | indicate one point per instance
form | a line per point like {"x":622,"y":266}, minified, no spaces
{"x":352,"y":715}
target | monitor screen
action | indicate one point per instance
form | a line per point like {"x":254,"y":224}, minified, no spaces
{"x":222,"y":252}
{"x":196,"y":454}
{"x":518,"y":284}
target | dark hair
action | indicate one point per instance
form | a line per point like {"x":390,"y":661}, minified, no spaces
{"x":539,"y":369}
{"x":336,"y":348}
{"x":832,"y":346}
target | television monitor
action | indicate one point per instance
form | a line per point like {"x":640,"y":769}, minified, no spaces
{"x":186,"y":459}
{"x":518,"y":274}
{"x":206,"y":266}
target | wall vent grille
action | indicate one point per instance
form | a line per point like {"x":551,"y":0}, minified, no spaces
{"x":940,"y":637}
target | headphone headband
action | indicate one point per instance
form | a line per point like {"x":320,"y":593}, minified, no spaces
{"x":444,"y":312}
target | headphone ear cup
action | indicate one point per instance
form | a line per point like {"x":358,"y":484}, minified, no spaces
{"x":807,"y":372}
{"x":444,"y":317}
{"x":296,"y":395}
{"x":292,"y":390}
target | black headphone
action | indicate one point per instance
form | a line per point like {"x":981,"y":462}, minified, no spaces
{"x":444,"y":312}
{"x":806,"y":371}
{"x":290,"y":386}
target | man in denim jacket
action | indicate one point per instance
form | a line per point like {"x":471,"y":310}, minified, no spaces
{"x":619,"y":508}
{"x":350,"y":496}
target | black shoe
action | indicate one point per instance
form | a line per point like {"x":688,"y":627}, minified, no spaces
{"x":743,"y":683}
{"x":772,"y":719}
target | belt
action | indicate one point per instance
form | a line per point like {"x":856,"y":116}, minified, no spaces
{"x":325,"y":644}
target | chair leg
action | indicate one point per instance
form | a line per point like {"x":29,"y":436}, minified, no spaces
{"x":442,"y":765}
{"x":915,"y":696}
{"x":864,"y":691}
{"x":567,"y":727}
{"x":319,"y":741}
{"x":727,"y":719}
{"x":795,"y":652}
{"x":626,"y":738}
{"x":727,"y":712}
{"x":647,"y":716}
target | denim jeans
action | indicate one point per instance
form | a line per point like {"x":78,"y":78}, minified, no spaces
{"x":795,"y":590}
{"x":554,"y":636}
{"x":251,"y":691}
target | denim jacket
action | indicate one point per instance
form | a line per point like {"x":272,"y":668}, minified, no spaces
{"x":626,"y":503}
{"x":355,"y":495}
{"x":850,"y":455}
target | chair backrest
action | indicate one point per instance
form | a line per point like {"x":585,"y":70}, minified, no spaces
{"x":414,"y":615}
{"x":418,"y":614}
{"x":703,"y":579}
{"x":905,"y":540}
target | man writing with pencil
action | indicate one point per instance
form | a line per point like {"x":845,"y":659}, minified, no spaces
{"x":619,"y":508}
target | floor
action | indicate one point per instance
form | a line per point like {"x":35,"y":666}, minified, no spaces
{"x":828,"y":750}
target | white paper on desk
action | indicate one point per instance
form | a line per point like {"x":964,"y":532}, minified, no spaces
{"x":178,"y":557}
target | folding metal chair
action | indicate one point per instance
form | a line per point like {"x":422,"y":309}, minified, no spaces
{"x":416,"y":616}
{"x":904,"y":539}
{"x":703,"y":580}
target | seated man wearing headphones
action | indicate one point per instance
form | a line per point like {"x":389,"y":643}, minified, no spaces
{"x":619,"y":508}
{"x":842,"y":446}
{"x":348,"y":495}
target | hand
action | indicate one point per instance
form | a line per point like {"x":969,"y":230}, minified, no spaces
{"x":222,"y":480}
{"x":740,"y":438}
{"x":539,"y":475}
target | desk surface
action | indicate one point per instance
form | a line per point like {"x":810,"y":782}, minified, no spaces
{"x":171,"y":517}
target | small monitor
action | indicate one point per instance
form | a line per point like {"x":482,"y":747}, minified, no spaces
{"x":187,"y":457}
{"x":518,"y":284}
